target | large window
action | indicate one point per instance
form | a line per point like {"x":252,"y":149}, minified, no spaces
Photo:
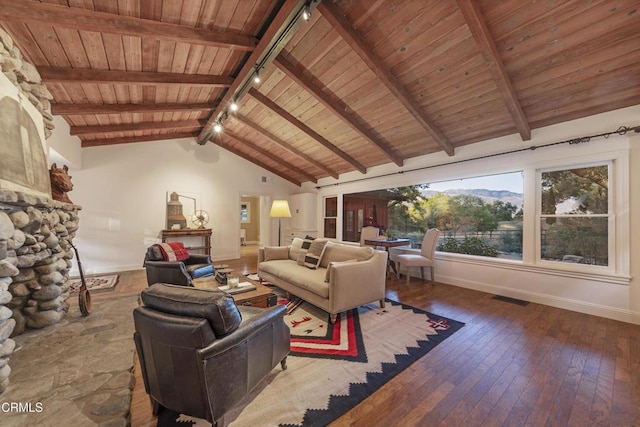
{"x":574,"y":215}
{"x":567,"y":216}
{"x":476,"y":216}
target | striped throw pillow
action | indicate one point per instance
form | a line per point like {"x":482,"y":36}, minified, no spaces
{"x":314,"y":254}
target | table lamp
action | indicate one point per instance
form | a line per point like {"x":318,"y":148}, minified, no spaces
{"x":280,"y":209}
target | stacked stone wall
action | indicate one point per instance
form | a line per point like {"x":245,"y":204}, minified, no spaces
{"x":35,"y":259}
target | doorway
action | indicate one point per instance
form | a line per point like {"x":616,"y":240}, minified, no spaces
{"x":253,"y":223}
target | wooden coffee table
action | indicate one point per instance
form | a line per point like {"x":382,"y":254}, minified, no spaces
{"x":260,"y":297}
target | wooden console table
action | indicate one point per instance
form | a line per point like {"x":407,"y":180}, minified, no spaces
{"x":205,"y":233}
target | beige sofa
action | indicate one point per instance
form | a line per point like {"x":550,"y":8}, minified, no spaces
{"x":347,"y":276}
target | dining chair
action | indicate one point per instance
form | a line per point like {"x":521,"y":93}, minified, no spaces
{"x":425,"y":259}
{"x":368,"y":232}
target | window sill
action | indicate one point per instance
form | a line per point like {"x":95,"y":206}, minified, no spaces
{"x":617,"y":279}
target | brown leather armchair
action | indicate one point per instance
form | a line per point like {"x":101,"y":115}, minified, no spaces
{"x":200,"y":354}
{"x":176,"y":272}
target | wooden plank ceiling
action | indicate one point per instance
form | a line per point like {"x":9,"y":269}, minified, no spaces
{"x":360,"y":84}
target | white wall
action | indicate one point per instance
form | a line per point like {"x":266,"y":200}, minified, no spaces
{"x":64,"y":148}
{"x":122,"y":189}
{"x":605,"y":296}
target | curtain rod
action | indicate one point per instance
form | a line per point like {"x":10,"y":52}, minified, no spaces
{"x":622,"y":130}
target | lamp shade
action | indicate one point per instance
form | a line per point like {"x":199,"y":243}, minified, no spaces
{"x":280,"y":209}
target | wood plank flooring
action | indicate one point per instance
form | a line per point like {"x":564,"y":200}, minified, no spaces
{"x":509,"y":366}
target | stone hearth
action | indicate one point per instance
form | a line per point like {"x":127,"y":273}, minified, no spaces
{"x":78,"y":372}
{"x":35,"y":259}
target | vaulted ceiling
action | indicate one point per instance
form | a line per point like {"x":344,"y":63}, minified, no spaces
{"x":361,"y":83}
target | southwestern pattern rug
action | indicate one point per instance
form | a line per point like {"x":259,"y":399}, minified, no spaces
{"x":94,"y":283}
{"x":332,"y":368}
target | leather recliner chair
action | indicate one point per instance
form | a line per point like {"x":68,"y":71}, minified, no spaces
{"x":200,"y":354}
{"x":176,"y":272}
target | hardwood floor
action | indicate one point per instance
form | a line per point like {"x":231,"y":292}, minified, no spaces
{"x":509,"y":366}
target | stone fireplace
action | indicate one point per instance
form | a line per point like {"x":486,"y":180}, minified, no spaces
{"x":35,"y":259}
{"x":35,"y":230}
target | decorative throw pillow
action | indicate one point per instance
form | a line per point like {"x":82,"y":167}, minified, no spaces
{"x":276,"y":252}
{"x":300,"y":259}
{"x":296,"y":249}
{"x":306,"y":243}
{"x":314,"y":254}
{"x":332,"y":263}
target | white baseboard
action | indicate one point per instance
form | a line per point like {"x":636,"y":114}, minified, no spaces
{"x":552,"y":301}
{"x":115,"y":269}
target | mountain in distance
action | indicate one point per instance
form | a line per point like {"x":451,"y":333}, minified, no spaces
{"x":488,"y":196}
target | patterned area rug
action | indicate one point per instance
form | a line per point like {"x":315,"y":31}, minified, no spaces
{"x":332,"y":368}
{"x":94,"y":283}
{"x":312,"y":335}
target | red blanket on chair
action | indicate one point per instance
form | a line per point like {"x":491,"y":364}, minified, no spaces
{"x":173,"y":251}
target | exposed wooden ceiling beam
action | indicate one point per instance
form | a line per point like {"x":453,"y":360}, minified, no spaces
{"x":225,"y":145}
{"x":131,"y":139}
{"x":245,"y":121}
{"x":79,"y":109}
{"x":306,"y":129}
{"x":473,"y":16}
{"x":271,"y":156}
{"x":191,"y":125}
{"x":88,"y":20}
{"x":282,"y":18}
{"x":338,"y":107}
{"x":83,"y":75}
{"x":331,"y":13}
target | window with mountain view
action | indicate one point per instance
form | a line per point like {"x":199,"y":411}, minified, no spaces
{"x":574,"y":215}
{"x":476,"y":216}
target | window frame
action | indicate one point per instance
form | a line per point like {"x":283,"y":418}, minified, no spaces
{"x":618,"y":216}
{"x":617,"y":151}
{"x":610,"y":215}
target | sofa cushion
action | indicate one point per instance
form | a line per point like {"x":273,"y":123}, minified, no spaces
{"x":314,"y":254}
{"x":217,"y":307}
{"x":276,"y":252}
{"x":298,"y":276}
{"x":338,"y":252}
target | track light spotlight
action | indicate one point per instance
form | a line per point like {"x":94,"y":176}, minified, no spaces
{"x":217,"y":128}
{"x":234,"y":106}
{"x":306,"y":12}
{"x":256,"y":78}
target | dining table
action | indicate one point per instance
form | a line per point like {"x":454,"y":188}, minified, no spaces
{"x":387,"y":244}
